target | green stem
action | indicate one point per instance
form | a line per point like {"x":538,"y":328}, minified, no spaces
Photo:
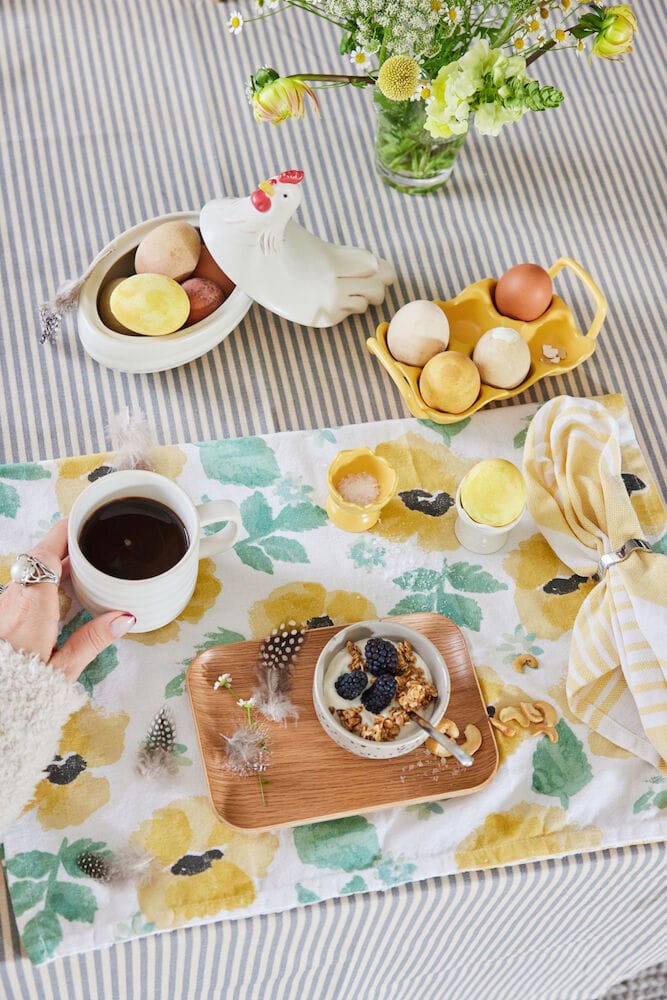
{"x":540,"y":52}
{"x":331,"y":78}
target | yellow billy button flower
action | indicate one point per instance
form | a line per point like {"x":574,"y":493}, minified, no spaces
{"x":275,"y":98}
{"x":398,"y":78}
{"x":616,"y":33}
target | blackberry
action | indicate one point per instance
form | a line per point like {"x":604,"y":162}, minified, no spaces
{"x":351,"y":684}
{"x":381,"y":657}
{"x":379,"y":695}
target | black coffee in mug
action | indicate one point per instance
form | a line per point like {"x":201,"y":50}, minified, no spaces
{"x":133,"y":538}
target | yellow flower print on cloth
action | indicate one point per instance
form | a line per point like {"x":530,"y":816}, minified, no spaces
{"x":74,"y":474}
{"x":548,"y":594}
{"x":526,"y":831}
{"x":206,"y":867}
{"x":71,"y":792}
{"x":428,"y":477}
{"x":300,"y":602}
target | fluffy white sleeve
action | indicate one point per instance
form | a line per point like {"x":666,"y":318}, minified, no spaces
{"x":35,"y":703}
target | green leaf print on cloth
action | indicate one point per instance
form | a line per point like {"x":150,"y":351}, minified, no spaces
{"x":263,"y":546}
{"x":428,"y":592}
{"x":350,"y":843}
{"x":561,"y":769}
{"x":243,"y":461}
{"x":447,"y":431}
{"x":104,"y":662}
{"x":38,"y":871}
{"x":25,"y":472}
{"x":10,"y":500}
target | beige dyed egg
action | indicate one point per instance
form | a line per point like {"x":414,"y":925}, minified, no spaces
{"x":449,"y":382}
{"x":417,"y":332}
{"x":171,"y":249}
{"x":205,"y":297}
{"x":104,"y":308}
{"x":207,"y":268}
{"x":524,"y":292}
{"x":150,"y":304}
{"x":503,"y":357}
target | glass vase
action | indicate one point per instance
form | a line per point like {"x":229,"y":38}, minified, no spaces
{"x":407,"y":157}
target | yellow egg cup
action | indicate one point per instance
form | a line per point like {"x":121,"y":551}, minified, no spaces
{"x":354,"y":516}
{"x":472,"y":313}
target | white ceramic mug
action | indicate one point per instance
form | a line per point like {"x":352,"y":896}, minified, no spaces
{"x":157,"y":600}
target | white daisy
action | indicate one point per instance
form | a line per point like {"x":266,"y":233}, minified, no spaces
{"x":423,"y":91}
{"x":360,"y":58}
{"x":235,"y":22}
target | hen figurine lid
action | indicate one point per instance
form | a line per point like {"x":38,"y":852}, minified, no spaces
{"x":283,"y":266}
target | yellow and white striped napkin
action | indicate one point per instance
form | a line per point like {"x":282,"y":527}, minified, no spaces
{"x":617,"y":673}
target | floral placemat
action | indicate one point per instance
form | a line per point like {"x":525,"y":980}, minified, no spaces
{"x":290,"y":562}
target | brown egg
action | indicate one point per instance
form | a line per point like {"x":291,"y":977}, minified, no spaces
{"x":207,"y":268}
{"x":205,"y":297}
{"x":171,"y":249}
{"x":524,"y":292}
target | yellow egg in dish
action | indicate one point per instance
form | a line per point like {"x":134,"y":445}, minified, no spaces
{"x":493,"y":492}
{"x":150,"y":304}
{"x":450,"y":382}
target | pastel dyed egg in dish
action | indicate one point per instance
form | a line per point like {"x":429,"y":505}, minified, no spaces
{"x":150,"y":304}
{"x":417,"y":332}
{"x":450,"y":382}
{"x":207,"y":268}
{"x":172,"y":249}
{"x":205,"y":297}
{"x":503,"y":357}
{"x":104,"y":308}
{"x":493,"y":492}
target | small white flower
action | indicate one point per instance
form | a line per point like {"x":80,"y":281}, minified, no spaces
{"x":235,"y":22}
{"x":245,"y":702}
{"x":360,"y":58}
{"x":223,"y":681}
{"x":423,"y":91}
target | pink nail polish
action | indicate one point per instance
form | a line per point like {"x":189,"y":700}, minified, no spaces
{"x":119,"y":626}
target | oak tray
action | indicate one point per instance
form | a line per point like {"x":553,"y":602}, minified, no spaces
{"x":310,"y":777}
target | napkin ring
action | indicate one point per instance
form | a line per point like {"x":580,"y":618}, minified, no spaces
{"x":619,"y":555}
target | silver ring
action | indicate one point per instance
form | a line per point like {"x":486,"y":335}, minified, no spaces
{"x":27,"y":570}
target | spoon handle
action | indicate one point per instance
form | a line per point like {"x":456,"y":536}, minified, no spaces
{"x":444,"y":741}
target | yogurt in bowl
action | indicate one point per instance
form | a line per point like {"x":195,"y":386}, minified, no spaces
{"x":366,"y":679}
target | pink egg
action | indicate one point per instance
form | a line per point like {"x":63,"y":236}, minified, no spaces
{"x":205,"y":297}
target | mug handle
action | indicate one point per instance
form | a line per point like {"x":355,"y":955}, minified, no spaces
{"x":209,"y":513}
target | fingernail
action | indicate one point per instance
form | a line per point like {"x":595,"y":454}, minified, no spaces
{"x":119,"y":626}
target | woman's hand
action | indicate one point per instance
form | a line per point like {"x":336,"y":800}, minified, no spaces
{"x":29,"y":615}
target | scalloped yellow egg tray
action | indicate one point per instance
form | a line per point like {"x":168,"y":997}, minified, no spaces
{"x":472,"y":313}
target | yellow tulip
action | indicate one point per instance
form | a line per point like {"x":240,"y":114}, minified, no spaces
{"x":616,"y":33}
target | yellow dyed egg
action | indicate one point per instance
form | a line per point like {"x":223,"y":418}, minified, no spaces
{"x":150,"y":304}
{"x":104,"y":307}
{"x":493,"y":492}
{"x":171,"y":249}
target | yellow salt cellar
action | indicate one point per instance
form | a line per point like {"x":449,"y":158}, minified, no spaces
{"x":360,"y":485}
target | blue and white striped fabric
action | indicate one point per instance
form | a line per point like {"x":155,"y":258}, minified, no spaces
{"x":115,"y":112}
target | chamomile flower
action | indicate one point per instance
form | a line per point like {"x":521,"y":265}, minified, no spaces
{"x":423,"y":91}
{"x":223,"y":681}
{"x":235,"y":22}
{"x":454,"y":15}
{"x":519,"y":44}
{"x":559,"y":35}
{"x":533,"y":25}
{"x":360,"y":58}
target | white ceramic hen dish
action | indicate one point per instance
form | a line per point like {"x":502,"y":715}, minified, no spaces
{"x":140,"y":355}
{"x":411,"y":736}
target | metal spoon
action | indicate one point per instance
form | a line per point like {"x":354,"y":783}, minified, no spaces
{"x":444,"y":741}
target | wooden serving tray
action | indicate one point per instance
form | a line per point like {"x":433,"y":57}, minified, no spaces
{"x":311,"y":777}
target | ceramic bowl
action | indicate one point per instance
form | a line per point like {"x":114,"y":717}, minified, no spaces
{"x":411,"y":736}
{"x":128,"y":353}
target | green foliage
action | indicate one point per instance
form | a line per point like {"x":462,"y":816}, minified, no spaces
{"x":242,"y":461}
{"x":26,"y":472}
{"x":447,"y":431}
{"x":9,"y":500}
{"x":561,"y":769}
{"x":430,"y":592}
{"x":264,"y":545}
{"x":37,"y":883}
{"x":349,"y":844}
{"x":103,"y":664}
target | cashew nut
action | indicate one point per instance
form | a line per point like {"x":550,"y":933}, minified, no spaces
{"x":514,"y":714}
{"x":548,"y":731}
{"x":447,"y":727}
{"x":524,"y":660}
{"x":501,"y":727}
{"x":472,"y":735}
{"x":548,"y":712}
{"x":532,"y":712}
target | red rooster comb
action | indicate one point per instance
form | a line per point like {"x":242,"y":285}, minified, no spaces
{"x":291,"y":177}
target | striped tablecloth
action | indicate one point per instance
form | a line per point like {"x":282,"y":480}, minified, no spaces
{"x":116,"y":112}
